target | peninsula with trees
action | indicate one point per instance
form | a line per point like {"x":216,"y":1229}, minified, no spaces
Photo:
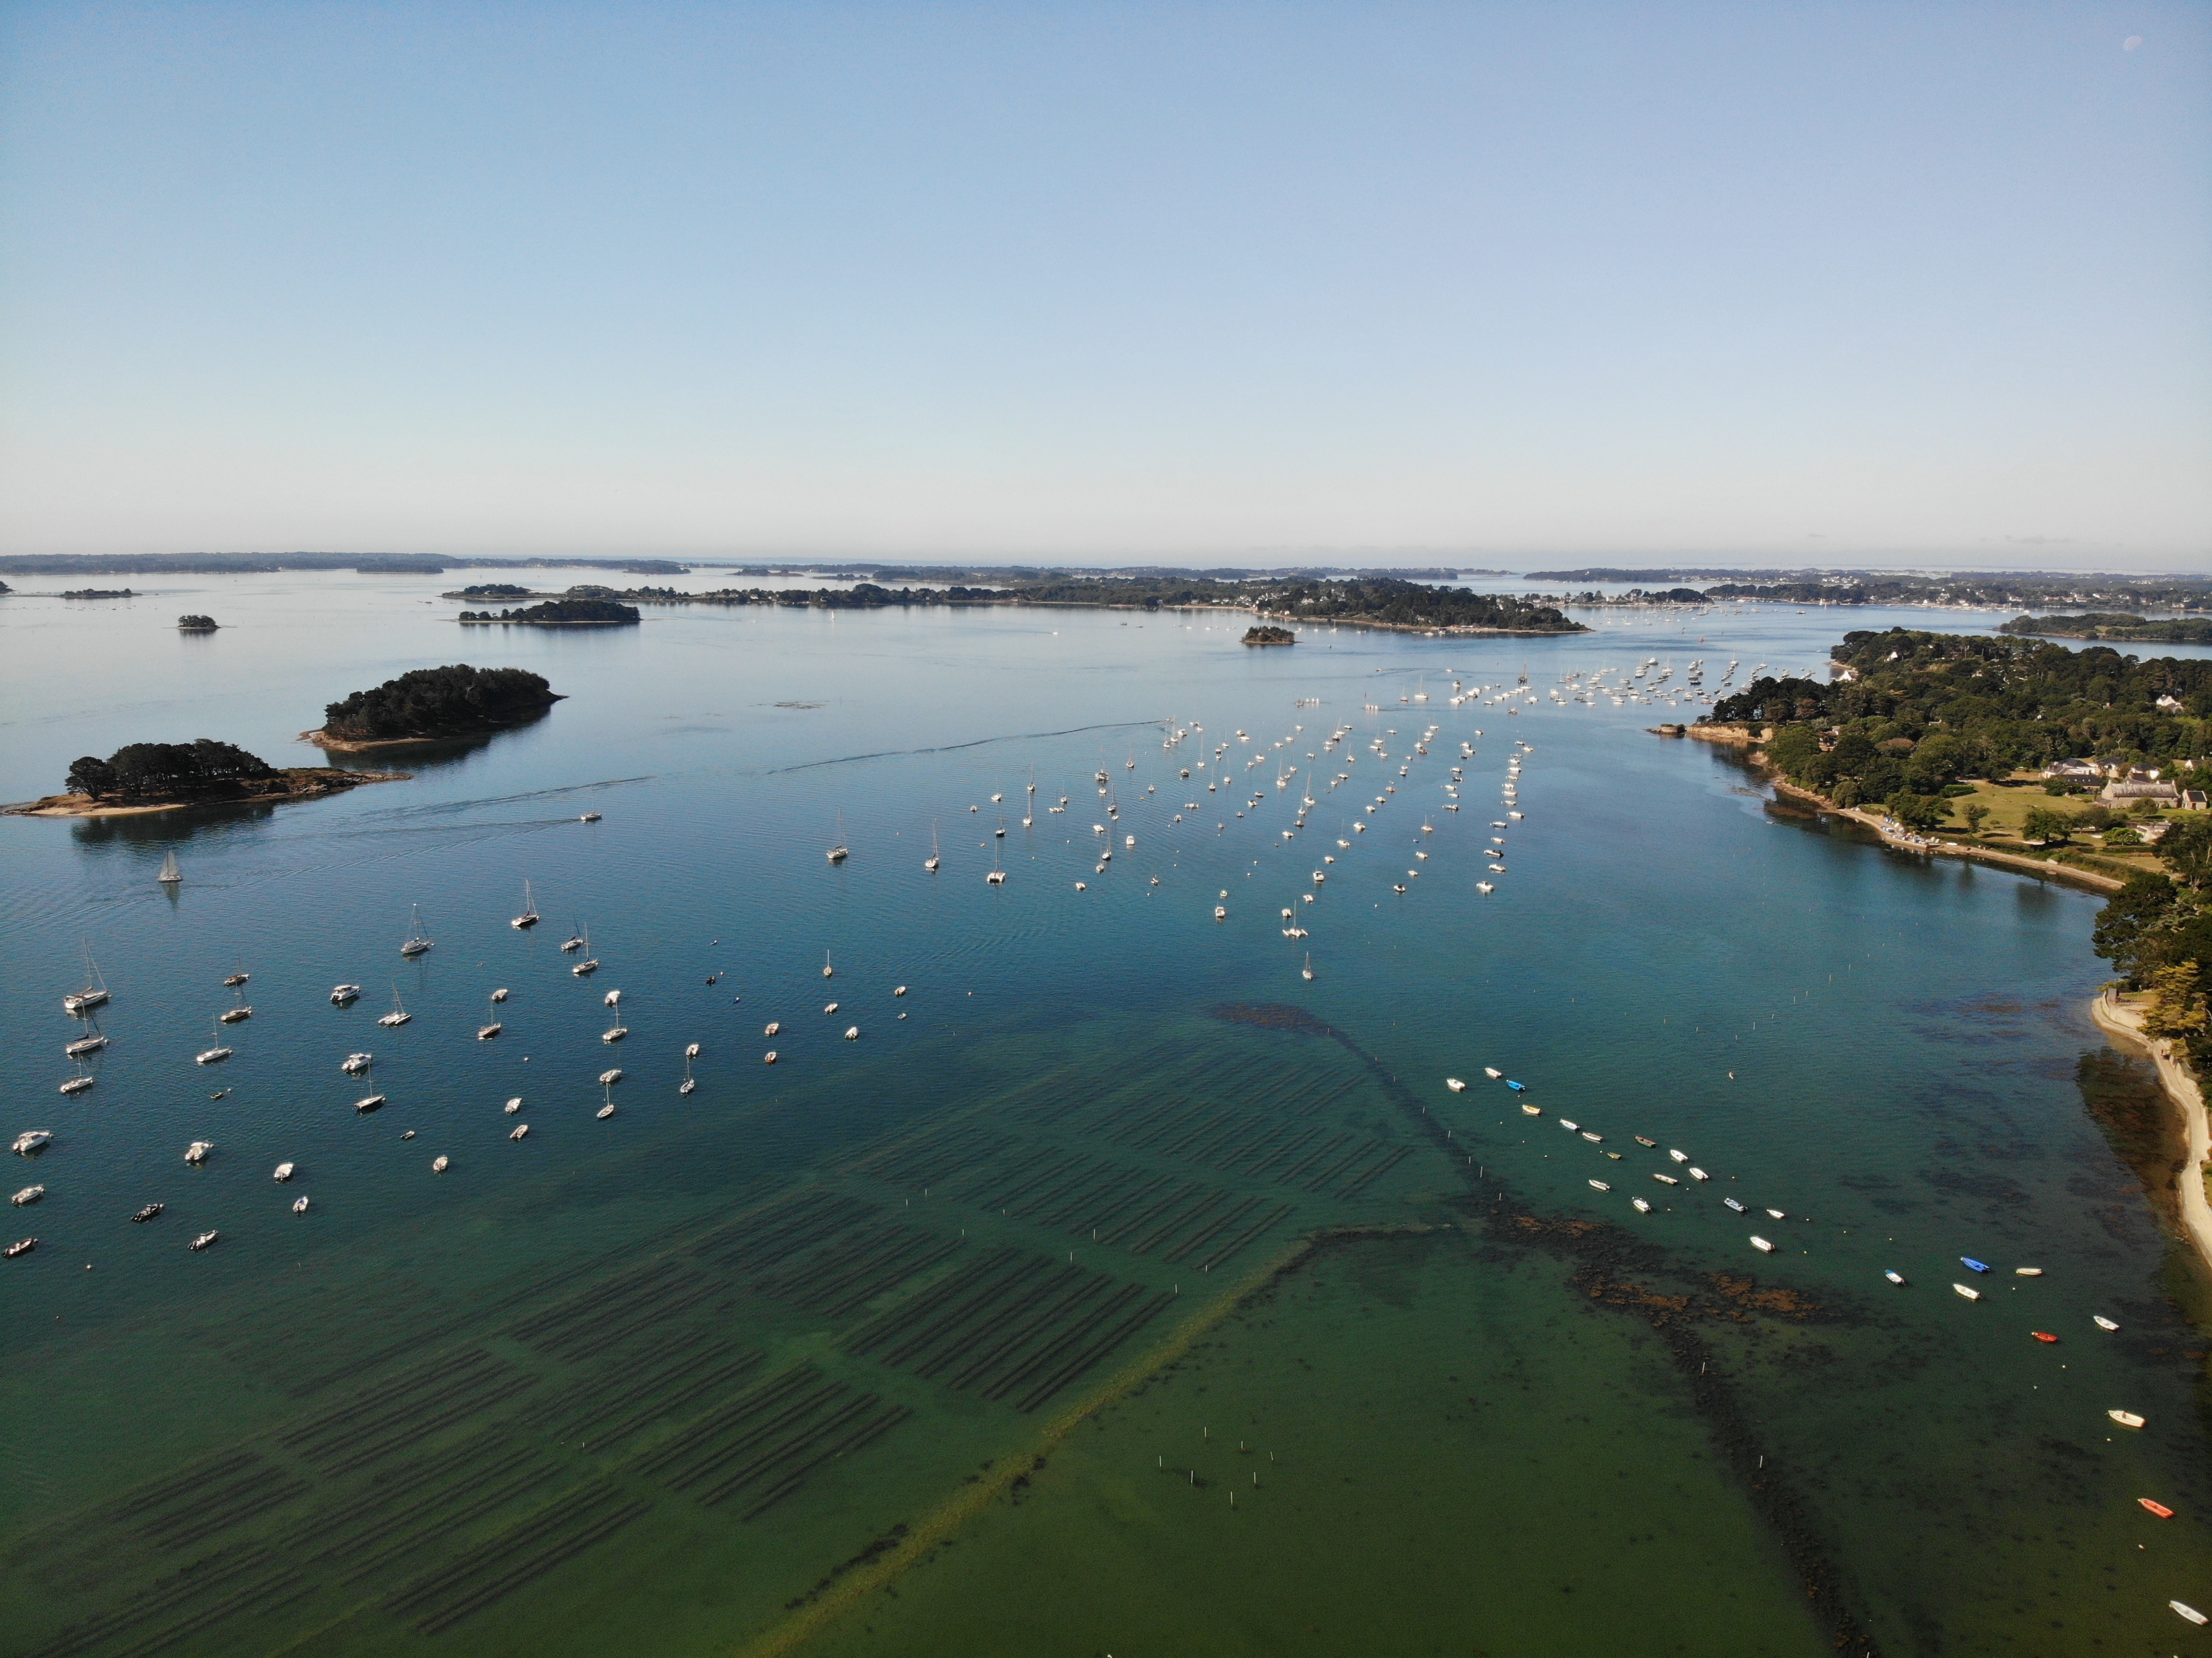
{"x":141,"y":777}
{"x":426,"y":704}
{"x":1930,"y":730}
{"x":2117,"y":626}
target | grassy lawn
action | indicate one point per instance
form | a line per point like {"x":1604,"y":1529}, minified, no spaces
{"x":2010,"y":801}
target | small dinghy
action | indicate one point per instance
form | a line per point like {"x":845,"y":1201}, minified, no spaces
{"x":1569,"y":1124}
{"x":1518,"y":1088}
{"x":1666,"y":1180}
{"x":852,"y":1033}
{"x":1697,"y":1173}
{"x":828,"y":1009}
{"x":512,"y":1105}
{"x":1640,"y":1140}
{"x":1532,"y":1110}
{"x":20,"y":1247}
{"x":2102,"y":1322}
{"x":299,"y":1205}
{"x":2156,"y":1507}
{"x":1600,"y":1185}
{"x":2027,"y":1272}
{"x":1640,"y":1206}
{"x":772,"y":1028}
{"x":440,"y":1165}
{"x":2125,"y":1418}
{"x":1733,"y":1203}
{"x":1971,"y":1264}
{"x":1455,"y":1084}
{"x":148,"y":1213}
{"x":1892,"y":1275}
{"x":2043,"y":1335}
{"x":1968,"y":1291}
{"x":1778,"y":1214}
{"x":1493,"y":1072}
{"x":369,"y":1103}
{"x":900,"y":991}
{"x":2183,"y":1609}
{"x":284,"y":1171}
{"x":1679,"y":1156}
{"x":1592,"y":1139}
{"x":1761,"y":1245}
{"x":520,"y":1129}
{"x":409,"y":1135}
{"x":205,"y":1239}
{"x":769,"y":1058}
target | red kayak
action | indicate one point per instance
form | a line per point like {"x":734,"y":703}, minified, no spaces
{"x":2043,"y":1335}
{"x":2158,"y":1509}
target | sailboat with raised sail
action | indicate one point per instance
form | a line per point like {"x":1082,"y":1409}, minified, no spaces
{"x":931,"y":862}
{"x":94,"y":993}
{"x":590,"y":964}
{"x":530,"y":917}
{"x":839,"y":853}
{"x":416,"y":943}
{"x":170,"y":874}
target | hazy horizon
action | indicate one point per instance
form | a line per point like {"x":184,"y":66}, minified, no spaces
{"x":1718,"y":282}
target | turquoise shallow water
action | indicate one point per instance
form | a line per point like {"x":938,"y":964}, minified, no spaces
{"x":671,"y":1370}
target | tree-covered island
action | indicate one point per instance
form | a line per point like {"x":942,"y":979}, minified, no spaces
{"x":195,"y":624}
{"x":1270,"y":636}
{"x":428,"y":703}
{"x":159,"y":776}
{"x":561,"y":613}
{"x":2115,"y":626}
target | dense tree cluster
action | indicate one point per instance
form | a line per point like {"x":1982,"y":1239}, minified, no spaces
{"x":1414,"y":604}
{"x":1942,"y":705}
{"x":565,"y":612}
{"x":862,"y":596}
{"x":433,"y":701}
{"x":195,"y":623}
{"x":2115,"y":626}
{"x":167,"y":771}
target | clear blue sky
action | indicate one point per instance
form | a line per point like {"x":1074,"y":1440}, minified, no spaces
{"x":1810,"y":281}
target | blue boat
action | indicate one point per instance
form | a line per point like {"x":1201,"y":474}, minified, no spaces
{"x":1969,"y":1261}
{"x":1518,"y":1088}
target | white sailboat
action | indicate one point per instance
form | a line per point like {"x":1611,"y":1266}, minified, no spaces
{"x":530,"y":917}
{"x":827,"y":970}
{"x":414,"y":944}
{"x":214,"y":1055}
{"x":688,"y":1084}
{"x":575,"y":940}
{"x":94,"y":993}
{"x":839,"y":853}
{"x":590,"y":964}
{"x":238,"y":1015}
{"x":491,"y":1028}
{"x":170,"y":874}
{"x":931,"y":862}
{"x":84,"y":1045}
{"x":1307,"y":972}
{"x":398,"y":1016}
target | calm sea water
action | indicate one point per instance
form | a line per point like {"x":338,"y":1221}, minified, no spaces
{"x":670,"y":1380}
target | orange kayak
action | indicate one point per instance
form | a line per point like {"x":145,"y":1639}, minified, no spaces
{"x":2043,"y":1335}
{"x":2158,"y":1509}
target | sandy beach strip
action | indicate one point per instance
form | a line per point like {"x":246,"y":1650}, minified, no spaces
{"x":2116,"y":1018}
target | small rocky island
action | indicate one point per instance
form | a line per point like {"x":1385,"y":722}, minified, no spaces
{"x":196,"y":624}
{"x":163,"y":776}
{"x":560,"y":613}
{"x":99,"y":593}
{"x":1270,"y":636}
{"x":429,"y":703}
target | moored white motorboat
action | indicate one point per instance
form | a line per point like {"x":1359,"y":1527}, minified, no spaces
{"x":1640,"y":1206}
{"x":1761,"y":1245}
{"x":440,"y":1163}
{"x":520,"y":1129}
{"x":284,"y":1172}
{"x":27,"y":1196}
{"x":1968,"y":1291}
{"x":353,"y":1064}
{"x":1455,"y":1084}
{"x":1600,"y":1185}
{"x":198,"y":1151}
{"x":2102,"y":1322}
{"x":205,"y":1239}
{"x":345,"y":995}
{"x":512,"y":1105}
{"x":32,"y":1141}
{"x":299,"y":1205}
{"x":1493,"y":1072}
{"x":1893,"y":1275}
{"x":2126,"y":1418}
